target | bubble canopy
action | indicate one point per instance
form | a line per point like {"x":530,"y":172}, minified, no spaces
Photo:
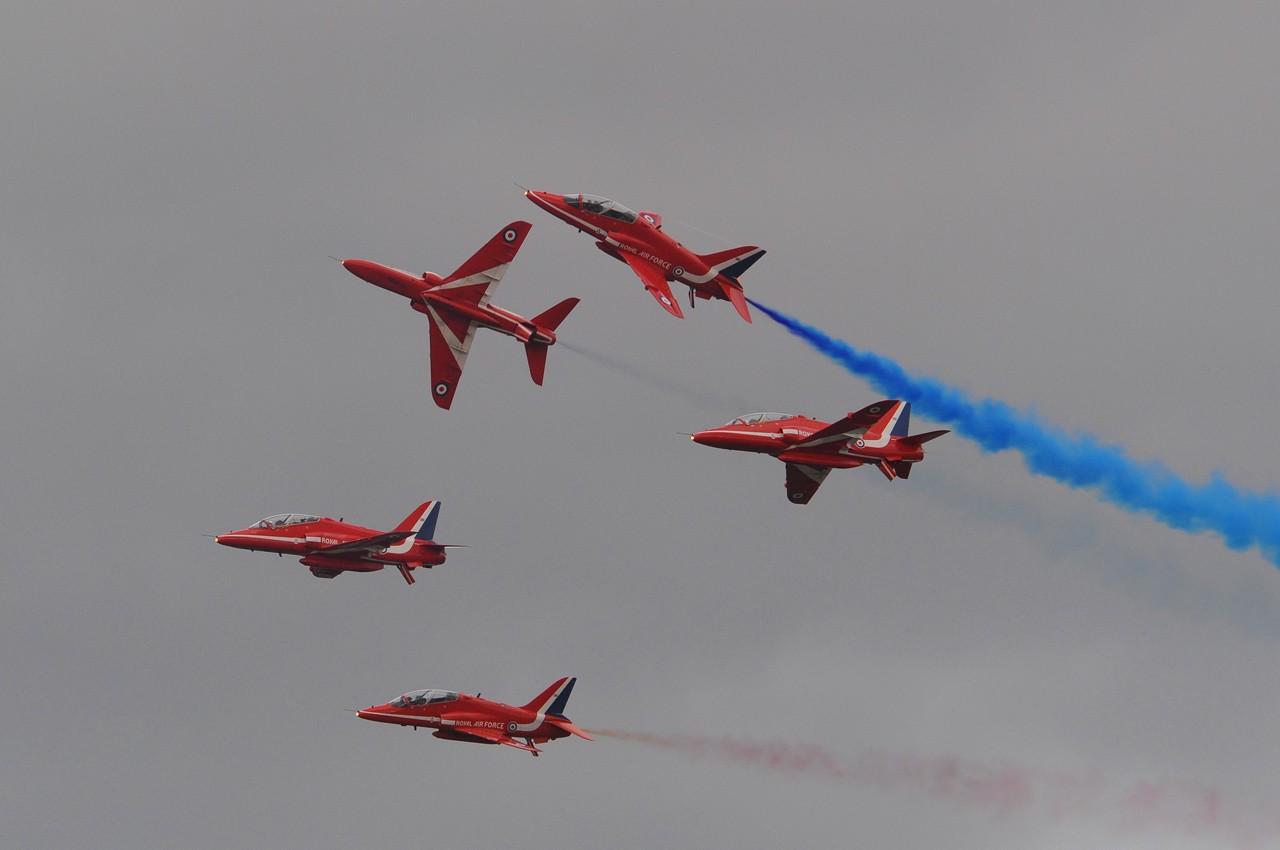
{"x":753,"y":418}
{"x":281,"y":520}
{"x":600,"y":206}
{"x":424,"y":697}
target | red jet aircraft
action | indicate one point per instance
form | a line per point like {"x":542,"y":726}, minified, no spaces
{"x":330,"y":546}
{"x":876,"y":434}
{"x":639,"y":241}
{"x":459,"y":303}
{"x":462,"y":717}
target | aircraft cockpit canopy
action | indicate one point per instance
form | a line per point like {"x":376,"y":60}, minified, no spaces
{"x":281,"y":520}
{"x":600,"y":206}
{"x":753,"y":418}
{"x":429,"y":696}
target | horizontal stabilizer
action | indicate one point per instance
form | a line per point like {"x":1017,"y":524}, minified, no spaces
{"x":537,"y":354}
{"x":917,"y":439}
{"x":733,"y":291}
{"x":563,"y":723}
{"x":551,"y":319}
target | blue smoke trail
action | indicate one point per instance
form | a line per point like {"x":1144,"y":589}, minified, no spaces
{"x":1244,"y":519}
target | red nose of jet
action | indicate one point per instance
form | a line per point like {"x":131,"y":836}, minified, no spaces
{"x":362,"y":269}
{"x":725,"y":438}
{"x":543,"y":199}
{"x":712,"y":437}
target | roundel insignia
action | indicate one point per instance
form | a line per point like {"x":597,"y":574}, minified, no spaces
{"x":875,"y":408}
{"x":510,"y":234}
{"x":678,"y":271}
{"x":648,"y":218}
{"x":859,"y":442}
{"x":665,"y":300}
{"x":511,"y":726}
{"x":442,"y":388}
{"x":797,"y":497}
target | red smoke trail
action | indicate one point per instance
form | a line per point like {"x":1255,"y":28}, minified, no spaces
{"x":1176,"y":806}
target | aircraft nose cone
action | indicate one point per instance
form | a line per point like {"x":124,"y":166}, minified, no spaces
{"x":716,"y":438}
{"x":542,"y":199}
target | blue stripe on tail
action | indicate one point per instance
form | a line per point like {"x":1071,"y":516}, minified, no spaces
{"x":736,"y":270}
{"x":558,"y":707}
{"x":903,"y":425}
{"x":428,"y":529}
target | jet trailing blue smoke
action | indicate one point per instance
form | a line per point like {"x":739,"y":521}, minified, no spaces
{"x":1244,"y":519}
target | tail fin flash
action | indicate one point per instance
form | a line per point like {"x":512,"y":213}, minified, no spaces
{"x":427,"y":531}
{"x":562,"y":699}
{"x":553,"y":699}
{"x":423,"y":516}
{"x":903,"y":426}
{"x":734,"y":262}
{"x":879,"y":432}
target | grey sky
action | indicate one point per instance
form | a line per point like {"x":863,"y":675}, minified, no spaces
{"x":1071,"y":207}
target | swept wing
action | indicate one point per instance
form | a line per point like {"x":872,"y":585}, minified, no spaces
{"x":654,"y":281}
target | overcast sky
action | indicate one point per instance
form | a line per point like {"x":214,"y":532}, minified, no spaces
{"x":1068,"y":206}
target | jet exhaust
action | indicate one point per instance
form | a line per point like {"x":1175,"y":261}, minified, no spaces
{"x":1177,"y":806}
{"x":1242,"y":518}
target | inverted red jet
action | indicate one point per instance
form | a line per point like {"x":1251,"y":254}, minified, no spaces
{"x":459,"y":303}
{"x":330,"y":546}
{"x":462,"y":717}
{"x":877,"y":435}
{"x":640,"y":242}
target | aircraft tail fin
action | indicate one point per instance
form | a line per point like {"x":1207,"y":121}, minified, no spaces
{"x":422,"y":522}
{"x":893,"y":417}
{"x":903,"y":426}
{"x":734,"y":262}
{"x":554,"y":698}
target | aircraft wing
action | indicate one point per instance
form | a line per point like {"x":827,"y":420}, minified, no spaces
{"x":366,"y":545}
{"x":803,"y":481}
{"x":451,"y":337}
{"x":853,"y":425}
{"x":475,"y":280}
{"x":654,"y":281}
{"x":494,"y":736}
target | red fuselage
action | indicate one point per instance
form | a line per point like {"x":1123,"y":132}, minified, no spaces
{"x":638,"y":240}
{"x":422,"y":297}
{"x":312,"y":538}
{"x":467,"y":714}
{"x":462,"y":717}
{"x":777,"y":437}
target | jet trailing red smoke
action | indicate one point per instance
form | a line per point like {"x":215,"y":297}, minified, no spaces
{"x":1006,"y":790}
